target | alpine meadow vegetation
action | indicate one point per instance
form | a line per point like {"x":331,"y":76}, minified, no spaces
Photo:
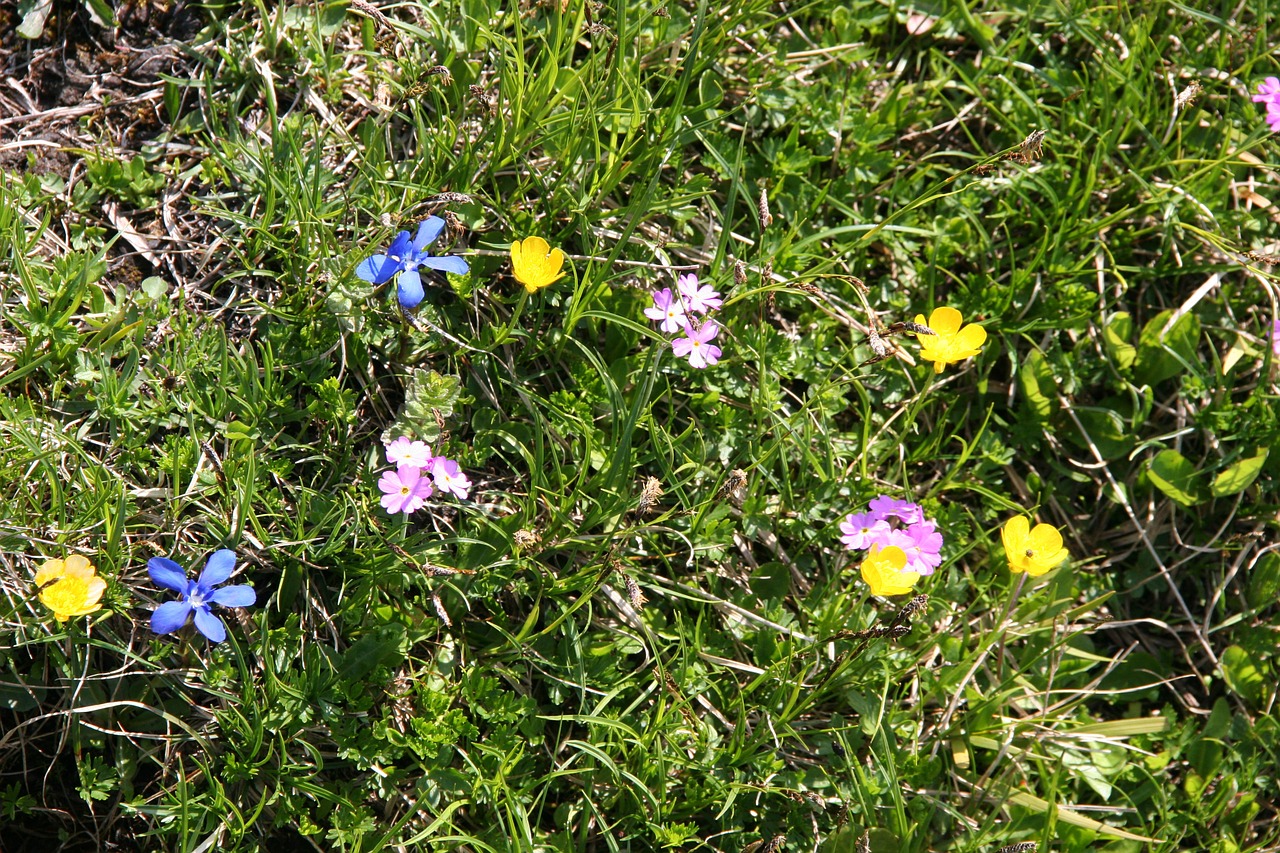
{"x":561,"y":426}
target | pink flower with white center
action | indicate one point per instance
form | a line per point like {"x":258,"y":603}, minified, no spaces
{"x":696,"y":344}
{"x":923,"y":546}
{"x":886,"y":507}
{"x":404,"y":489}
{"x":402,"y":451}
{"x":668,"y":309}
{"x":862,"y":530}
{"x":1269,"y":94}
{"x":1275,"y":338}
{"x":449,"y":477}
{"x":698,"y":300}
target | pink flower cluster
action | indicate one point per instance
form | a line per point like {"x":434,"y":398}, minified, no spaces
{"x":685,"y":311}
{"x":407,"y":488}
{"x":1269,"y":94}
{"x":890,"y":521}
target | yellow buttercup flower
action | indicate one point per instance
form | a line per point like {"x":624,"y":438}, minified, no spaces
{"x":70,"y":587}
{"x":1034,"y":551}
{"x":949,"y":343}
{"x":882,"y":570}
{"x":535,"y":263}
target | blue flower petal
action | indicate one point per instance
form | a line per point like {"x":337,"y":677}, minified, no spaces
{"x":371,"y":269}
{"x":209,"y":625}
{"x":448,"y":263}
{"x":235,"y":596}
{"x":218,"y":569}
{"x":399,"y":247}
{"x":170,"y":616}
{"x":409,"y":289}
{"x":428,"y":231}
{"x":168,"y":574}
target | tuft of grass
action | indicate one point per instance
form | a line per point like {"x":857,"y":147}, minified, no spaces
{"x":641,"y":631}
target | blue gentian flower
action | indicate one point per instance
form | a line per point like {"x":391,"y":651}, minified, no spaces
{"x":197,"y":595}
{"x":404,"y":257}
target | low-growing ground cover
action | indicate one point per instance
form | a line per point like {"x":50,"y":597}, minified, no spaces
{"x":638,"y":427}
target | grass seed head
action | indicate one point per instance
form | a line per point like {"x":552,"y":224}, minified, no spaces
{"x":739,"y":272}
{"x":650,"y":492}
{"x":634,"y":594}
{"x":766,"y":218}
{"x":527,"y":540}
{"x":1030,"y":148}
{"x":734,"y":488}
{"x":440,"y":611}
{"x":1187,"y":96}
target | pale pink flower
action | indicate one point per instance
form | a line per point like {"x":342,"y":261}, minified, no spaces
{"x":698,"y":299}
{"x":404,"y":489}
{"x":862,"y":530}
{"x":403,"y":451}
{"x":449,"y":477}
{"x":1269,"y":94}
{"x":668,"y":309}
{"x":923,"y":546}
{"x":886,"y":507}
{"x":696,"y":344}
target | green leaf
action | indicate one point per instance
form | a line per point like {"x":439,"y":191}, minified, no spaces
{"x":154,"y":287}
{"x":16,"y":699}
{"x":101,"y":13}
{"x":1243,"y":675}
{"x":1264,"y":581}
{"x":379,"y":647}
{"x":1238,"y":477}
{"x":34,"y":13}
{"x":1106,"y":430}
{"x":429,"y":398}
{"x":1116,"y":337}
{"x":1163,"y":353}
{"x":1039,"y":388}
{"x":1176,"y":477}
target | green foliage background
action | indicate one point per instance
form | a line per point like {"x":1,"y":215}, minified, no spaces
{"x":480,"y":677}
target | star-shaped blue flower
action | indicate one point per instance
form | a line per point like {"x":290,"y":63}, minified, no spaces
{"x":197,"y":595}
{"x":405,"y":256}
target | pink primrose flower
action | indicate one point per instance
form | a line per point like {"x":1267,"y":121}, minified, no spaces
{"x":404,"y":489}
{"x":449,"y":477}
{"x":667,"y":309}
{"x":698,"y":299}
{"x":862,"y":530}
{"x":697,"y":346}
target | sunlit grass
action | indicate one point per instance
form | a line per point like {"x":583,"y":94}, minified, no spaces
{"x":640,"y":629}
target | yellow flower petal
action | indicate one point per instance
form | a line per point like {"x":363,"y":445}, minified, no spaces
{"x":971,"y":337}
{"x":1034,"y":551}
{"x":535,"y":264}
{"x":945,"y":321}
{"x":73,"y":596}
{"x":882,"y":571}
{"x":49,"y":571}
{"x":950,"y":342}
{"x":79,"y":567}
